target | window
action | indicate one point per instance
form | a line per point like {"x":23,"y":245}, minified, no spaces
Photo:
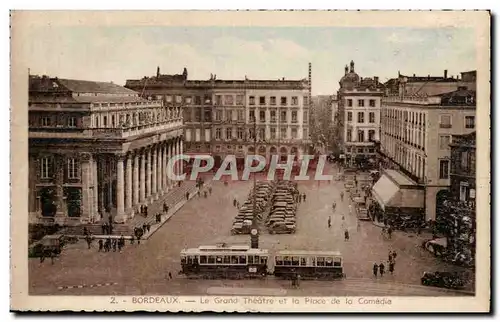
{"x":96,"y":125}
{"x":306,"y":134}
{"x":361,"y":136}
{"x":349,"y":102}
{"x":294,"y":116}
{"x":239,"y":99}
{"x":46,"y":168}
{"x":71,"y":121}
{"x":361,"y":103}
{"x":360,"y":150}
{"x":283,"y":117}
{"x":295,"y":100}
{"x":371,"y":135}
{"x":262,"y":116}
{"x":178,"y":99}
{"x":445,"y":121}
{"x":228,"y":100}
{"x":251,"y":116}
{"x":273,"y":100}
{"x":168,"y":98}
{"x":197,"y":100}
{"x":218,"y":100}
{"x":262,"y":134}
{"x":444,"y":142}
{"x":306,"y":118}
{"x":361,"y":117}
{"x":283,"y":133}
{"x":251,"y":100}
{"x":46,"y":121}
{"x":283,"y":100}
{"x":218,"y":133}
{"x":105,"y":121}
{"x":208,"y":99}
{"x":463,"y":191}
{"x":349,"y":135}
{"x":371,"y":117}
{"x":273,"y":133}
{"x":229,"y":115}
{"x":470,"y":122}
{"x":229,"y":133}
{"x":240,"y":115}
{"x":305,"y":100}
{"x":218,"y":115}
{"x":273,"y":116}
{"x":371,"y":150}
{"x":294,"y":133}
{"x":73,"y":172}
{"x":240,"y":133}
{"x":372,"y":103}
{"x":262,"y":100}
{"x":188,"y":99}
{"x":444,"y":168}
{"x":349,"y":116}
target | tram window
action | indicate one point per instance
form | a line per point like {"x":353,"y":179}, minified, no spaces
{"x":190,"y":260}
{"x":256,"y":260}
{"x":295,"y":261}
{"x":243,"y":260}
{"x":279,"y":260}
{"x":263,"y":260}
{"x":302,"y":261}
{"x":211,"y":259}
{"x":287,"y":260}
{"x":337,"y":261}
{"x":183,"y":259}
{"x":234,"y":259}
{"x":227,"y":259}
{"x":250,"y":259}
{"x":320,"y":261}
{"x":218,"y":259}
{"x":313,"y":260}
{"x":329,"y":261}
{"x":203,"y":259}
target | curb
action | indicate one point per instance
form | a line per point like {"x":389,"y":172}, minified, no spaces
{"x":85,"y":286}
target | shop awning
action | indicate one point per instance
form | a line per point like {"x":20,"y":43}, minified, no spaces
{"x":394,"y":189}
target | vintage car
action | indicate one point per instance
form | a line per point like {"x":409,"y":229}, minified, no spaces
{"x":281,"y":228}
{"x":49,"y":246}
{"x":241,"y":228}
{"x":349,"y":184}
{"x":442,"y":279}
{"x":362,"y":212}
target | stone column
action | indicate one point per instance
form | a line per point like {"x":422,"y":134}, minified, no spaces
{"x":154,"y":167}
{"x":148,"y":173}
{"x":143,"y":177}
{"x":120,"y":193}
{"x":128,"y":184}
{"x":160,"y":169}
{"x":181,"y":151}
{"x":59,"y":179}
{"x":176,"y":152}
{"x":135,"y":180}
{"x":169,"y":170}
{"x":95,"y":180}
{"x":86,"y":202}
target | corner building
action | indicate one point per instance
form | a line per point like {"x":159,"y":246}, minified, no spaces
{"x":96,"y":150}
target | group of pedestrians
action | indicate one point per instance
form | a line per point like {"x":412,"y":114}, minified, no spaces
{"x":379,"y":269}
{"x":111,"y":243}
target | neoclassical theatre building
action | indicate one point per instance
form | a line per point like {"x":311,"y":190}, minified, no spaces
{"x":219,"y":114}
{"x":96,"y":149}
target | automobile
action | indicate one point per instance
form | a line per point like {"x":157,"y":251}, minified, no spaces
{"x":349,"y":185}
{"x":442,"y":279}
{"x":436,"y":246}
{"x":362,"y":212}
{"x":282,"y":228}
{"x":51,"y":245}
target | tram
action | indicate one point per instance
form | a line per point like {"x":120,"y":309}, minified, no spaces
{"x":242,"y":262}
{"x":308,"y":264}
{"x":224,"y":262}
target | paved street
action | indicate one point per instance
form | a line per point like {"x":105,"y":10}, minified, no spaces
{"x":143,"y":269}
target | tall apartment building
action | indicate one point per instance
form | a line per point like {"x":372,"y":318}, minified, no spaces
{"x":359,"y":101}
{"x":219,"y":114}
{"x":416,"y":133}
{"x":96,"y":149}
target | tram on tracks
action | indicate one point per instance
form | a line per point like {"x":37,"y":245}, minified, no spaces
{"x":242,"y":262}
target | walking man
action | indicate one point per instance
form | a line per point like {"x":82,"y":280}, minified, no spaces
{"x":381,"y":268}
{"x":169,"y":275}
{"x":346,"y":235}
{"x":101,"y":245}
{"x":391,"y":267}
{"x":358,"y":226}
{"x":187,"y":195}
{"x":375,"y":269}
{"x":88,"y":239}
{"x":114,"y":245}
{"x":342,"y":196}
{"x":329,"y":222}
{"x":304,"y":197}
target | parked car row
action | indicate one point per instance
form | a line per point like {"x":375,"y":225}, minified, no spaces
{"x":282,"y":217}
{"x":243,"y":220}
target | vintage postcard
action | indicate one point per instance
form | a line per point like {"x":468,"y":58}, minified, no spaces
{"x":260,"y":161}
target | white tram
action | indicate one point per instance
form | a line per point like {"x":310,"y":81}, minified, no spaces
{"x":308,"y":264}
{"x":223,"y":261}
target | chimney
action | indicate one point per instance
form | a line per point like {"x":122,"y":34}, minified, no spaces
{"x":376,"y":79}
{"x":413,"y":75}
{"x":445,"y":74}
{"x":158,"y":71}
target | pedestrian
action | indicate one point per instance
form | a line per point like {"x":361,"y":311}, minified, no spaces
{"x":145,"y":211}
{"x":179,"y":183}
{"x":103,"y":228}
{"x":304,"y":197}
{"x":205,"y":193}
{"x":394,"y":255}
{"x":390,"y":256}
{"x":187,"y":195}
{"x":110,"y":228}
{"x":343,"y":217}
{"x":346,"y":235}
{"x":85,"y":231}
{"x":88,"y":239}
{"x":107,"y":245}
{"x":148,"y":227}
{"x":165,"y":207}
{"x":375,"y":269}
{"x":114,"y":245}
{"x":358,"y":226}
{"x":122,"y":240}
{"x":381,"y":268}
{"x":210,"y":190}
{"x":329,"y":222}
{"x":169,"y":275}
{"x":101,"y":245}
{"x":342,"y":196}
{"x":120,"y":246}
{"x":234,"y":202}
{"x":391,"y":267}
{"x":389,"y":232}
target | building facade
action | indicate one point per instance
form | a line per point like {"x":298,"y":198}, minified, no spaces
{"x":96,"y":150}
{"x":219,"y":114}
{"x":463,"y":168}
{"x":359,"y":103}
{"x":416,"y":135}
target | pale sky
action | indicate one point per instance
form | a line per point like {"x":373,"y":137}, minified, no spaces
{"x":120,"y":53}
